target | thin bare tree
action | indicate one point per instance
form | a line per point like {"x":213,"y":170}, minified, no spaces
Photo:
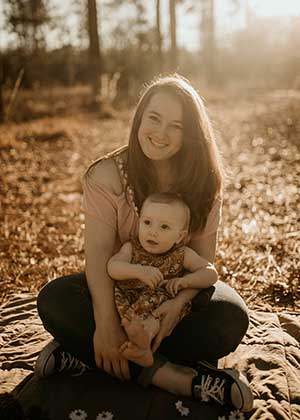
{"x":1,"y":91}
{"x":208,"y":39}
{"x":158,"y":35}
{"x":173,"y":34}
{"x":94,"y":48}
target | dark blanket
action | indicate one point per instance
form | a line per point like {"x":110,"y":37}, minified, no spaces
{"x":269,"y":355}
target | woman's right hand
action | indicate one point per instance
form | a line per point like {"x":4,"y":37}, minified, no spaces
{"x":107,"y":340}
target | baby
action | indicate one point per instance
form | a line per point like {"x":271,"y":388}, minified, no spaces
{"x":149,"y":271}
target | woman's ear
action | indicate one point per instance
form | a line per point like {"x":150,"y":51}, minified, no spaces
{"x":182,"y":236}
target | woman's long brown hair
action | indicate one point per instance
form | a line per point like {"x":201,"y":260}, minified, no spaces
{"x":196,"y":168}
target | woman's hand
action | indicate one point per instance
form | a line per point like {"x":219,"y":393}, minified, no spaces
{"x":169,"y":314}
{"x":107,"y":339}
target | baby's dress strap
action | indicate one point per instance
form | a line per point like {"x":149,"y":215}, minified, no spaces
{"x":124,"y":179}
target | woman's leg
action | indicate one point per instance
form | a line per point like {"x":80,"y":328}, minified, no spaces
{"x":65,"y":308}
{"x":212,"y":330}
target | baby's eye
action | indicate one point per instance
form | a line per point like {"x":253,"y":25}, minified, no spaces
{"x":147,"y":222}
{"x":165,"y":227}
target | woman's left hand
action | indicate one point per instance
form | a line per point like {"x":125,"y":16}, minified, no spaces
{"x":169,"y":314}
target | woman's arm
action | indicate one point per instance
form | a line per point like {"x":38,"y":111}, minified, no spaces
{"x":108,"y":335}
{"x":100,"y":237}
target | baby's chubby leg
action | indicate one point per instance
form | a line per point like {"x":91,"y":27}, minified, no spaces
{"x":140,"y":333}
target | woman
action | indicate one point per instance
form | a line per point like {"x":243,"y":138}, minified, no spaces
{"x":171,"y":149}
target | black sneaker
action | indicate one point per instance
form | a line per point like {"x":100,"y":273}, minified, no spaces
{"x":52,"y":359}
{"x":225,"y":386}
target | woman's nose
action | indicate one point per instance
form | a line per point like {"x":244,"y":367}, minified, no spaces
{"x":162,"y":131}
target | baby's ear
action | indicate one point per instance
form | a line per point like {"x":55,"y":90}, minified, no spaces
{"x":182,"y":236}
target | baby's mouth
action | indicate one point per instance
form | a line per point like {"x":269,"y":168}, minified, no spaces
{"x":156,"y":144}
{"x":151,"y":242}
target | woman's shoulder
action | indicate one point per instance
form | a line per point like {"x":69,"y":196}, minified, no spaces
{"x":105,"y":171}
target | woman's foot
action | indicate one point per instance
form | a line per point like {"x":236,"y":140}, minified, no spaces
{"x":140,"y":356}
{"x":52,"y":359}
{"x":223,"y":386}
{"x":207,"y":383}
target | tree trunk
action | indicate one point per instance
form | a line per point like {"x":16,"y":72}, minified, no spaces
{"x":94,"y":48}
{"x":208,"y":39}
{"x":173,"y":49}
{"x":158,"y":37}
{"x":1,"y":91}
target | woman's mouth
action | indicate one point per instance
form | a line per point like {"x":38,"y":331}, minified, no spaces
{"x":157,"y":144}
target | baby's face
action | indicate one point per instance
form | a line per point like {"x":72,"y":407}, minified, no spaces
{"x":161,"y":226}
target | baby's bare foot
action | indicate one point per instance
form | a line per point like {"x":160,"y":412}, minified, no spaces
{"x":138,"y":355}
{"x":137,"y":333}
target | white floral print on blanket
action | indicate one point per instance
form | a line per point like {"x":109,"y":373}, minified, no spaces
{"x":105,"y":415}
{"x":184,"y":411}
{"x":234,"y":415}
{"x":79,"y":414}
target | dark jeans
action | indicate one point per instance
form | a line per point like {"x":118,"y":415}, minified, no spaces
{"x":213,"y":329}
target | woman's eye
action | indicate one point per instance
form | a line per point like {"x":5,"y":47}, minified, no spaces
{"x":165,"y":227}
{"x":154,"y":118}
{"x":178,"y":127}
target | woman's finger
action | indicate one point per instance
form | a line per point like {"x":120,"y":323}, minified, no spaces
{"x":99,"y":363}
{"x":107,"y":367}
{"x":116,"y":369}
{"x":125,"y":369}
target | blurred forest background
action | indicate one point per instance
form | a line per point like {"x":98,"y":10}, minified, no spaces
{"x":124,"y":43}
{"x":70,"y":74}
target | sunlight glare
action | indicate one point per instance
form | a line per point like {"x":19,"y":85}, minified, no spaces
{"x":276,"y":7}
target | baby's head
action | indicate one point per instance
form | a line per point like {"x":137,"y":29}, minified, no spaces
{"x":164,"y":222}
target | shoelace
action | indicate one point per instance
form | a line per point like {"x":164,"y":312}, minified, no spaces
{"x":69,"y":362}
{"x":210,"y":390}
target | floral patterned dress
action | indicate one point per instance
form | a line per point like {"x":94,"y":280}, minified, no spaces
{"x":133,"y":297}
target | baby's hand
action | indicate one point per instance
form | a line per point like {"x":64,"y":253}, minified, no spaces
{"x":150,"y":275}
{"x":173,"y":286}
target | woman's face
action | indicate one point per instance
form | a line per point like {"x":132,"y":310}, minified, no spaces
{"x":160,"y":132}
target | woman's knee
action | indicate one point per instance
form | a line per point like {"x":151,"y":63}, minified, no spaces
{"x":56,"y":294}
{"x":229,"y":321}
{"x":226,"y":317}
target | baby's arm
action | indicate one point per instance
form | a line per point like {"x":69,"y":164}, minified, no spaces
{"x":202,"y":273}
{"x":119,"y":267}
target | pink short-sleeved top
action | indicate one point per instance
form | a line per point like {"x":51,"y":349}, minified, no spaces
{"x":121,"y":214}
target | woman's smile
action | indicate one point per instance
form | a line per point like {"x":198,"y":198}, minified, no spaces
{"x":157,"y":144}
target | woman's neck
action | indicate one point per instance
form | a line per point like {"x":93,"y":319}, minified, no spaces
{"x":164,"y":175}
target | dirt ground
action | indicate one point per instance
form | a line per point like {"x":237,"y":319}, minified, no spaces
{"x":41,"y":219}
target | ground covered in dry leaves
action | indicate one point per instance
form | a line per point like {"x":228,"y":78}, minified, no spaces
{"x":41,"y":219}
